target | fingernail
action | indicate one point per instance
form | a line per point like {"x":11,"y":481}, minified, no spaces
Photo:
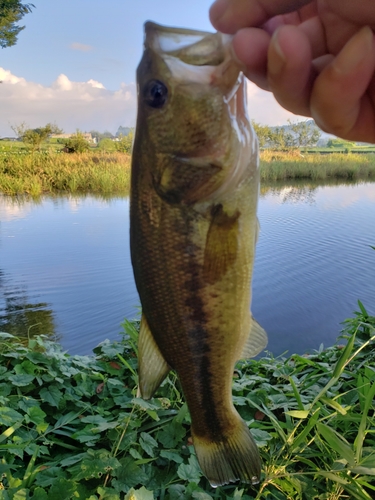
{"x":276,"y":57}
{"x":218,"y":9}
{"x":354,"y":52}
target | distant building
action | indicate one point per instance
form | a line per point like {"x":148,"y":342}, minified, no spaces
{"x":85,"y":135}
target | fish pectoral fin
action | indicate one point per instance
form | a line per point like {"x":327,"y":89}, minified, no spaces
{"x":152,"y":366}
{"x":256,"y":342}
{"x":221,"y":244}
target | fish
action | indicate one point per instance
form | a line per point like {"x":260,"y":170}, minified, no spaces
{"x":193,"y":231}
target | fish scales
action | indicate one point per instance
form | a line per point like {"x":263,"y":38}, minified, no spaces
{"x":194,"y":192}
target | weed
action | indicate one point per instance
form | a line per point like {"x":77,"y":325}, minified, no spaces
{"x":72,"y":427}
{"x":47,"y":171}
{"x":276,"y":165}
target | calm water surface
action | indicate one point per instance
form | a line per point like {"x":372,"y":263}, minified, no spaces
{"x":65,"y":265}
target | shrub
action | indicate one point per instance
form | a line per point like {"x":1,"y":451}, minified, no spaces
{"x":124,"y":145}
{"x":76,"y":144}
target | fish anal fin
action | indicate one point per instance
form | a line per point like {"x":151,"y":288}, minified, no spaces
{"x":256,"y":341}
{"x":231,"y":458}
{"x":221,"y":244}
{"x":152,"y":366}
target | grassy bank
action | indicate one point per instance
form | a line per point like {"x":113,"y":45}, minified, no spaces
{"x":104,"y":173}
{"x":295,"y":165}
{"x":46,"y":171}
{"x":71,"y":427}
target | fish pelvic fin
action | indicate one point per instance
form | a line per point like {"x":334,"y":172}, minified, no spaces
{"x":152,"y":366}
{"x":232,"y":457}
{"x":256,"y":342}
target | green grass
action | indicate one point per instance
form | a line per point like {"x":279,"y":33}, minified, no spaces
{"x":47,"y":171}
{"x":71,"y":427}
{"x":276,"y":166}
{"x":15,"y":146}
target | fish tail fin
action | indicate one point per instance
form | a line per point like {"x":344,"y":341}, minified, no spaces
{"x":233,"y":457}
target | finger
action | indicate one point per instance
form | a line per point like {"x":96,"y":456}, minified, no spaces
{"x":251,"y":46}
{"x":340,"y":101}
{"x":321,"y":62}
{"x":295,"y":18}
{"x":290,"y":70}
{"x":314,"y":31}
{"x":229,"y":16}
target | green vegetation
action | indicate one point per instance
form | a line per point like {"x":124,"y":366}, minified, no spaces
{"x":293,"y":135}
{"x":36,"y":136}
{"x":71,"y":427}
{"x":275,"y":165}
{"x":106,"y":168}
{"x":107,"y":144}
{"x":125,"y":143}
{"x":76,"y":143}
{"x":340,"y":143}
{"x":47,"y":171}
{"x":11,"y":12}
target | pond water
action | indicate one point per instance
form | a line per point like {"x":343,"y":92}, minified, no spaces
{"x":65,"y":265}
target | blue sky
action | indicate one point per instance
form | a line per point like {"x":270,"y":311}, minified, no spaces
{"x":74,"y":64}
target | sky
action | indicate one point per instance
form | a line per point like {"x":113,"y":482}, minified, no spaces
{"x":74,"y":64}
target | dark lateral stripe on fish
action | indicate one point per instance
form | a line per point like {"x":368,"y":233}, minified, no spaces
{"x":200,"y":350}
{"x":212,"y":421}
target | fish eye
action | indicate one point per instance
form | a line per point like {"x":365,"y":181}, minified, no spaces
{"x":155,"y":93}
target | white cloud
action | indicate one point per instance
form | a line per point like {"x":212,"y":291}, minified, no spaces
{"x":89,"y":105}
{"x":71,"y":105}
{"x":80,"y":46}
{"x":264,"y":109}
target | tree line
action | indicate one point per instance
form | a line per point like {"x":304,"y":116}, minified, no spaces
{"x":76,"y":143}
{"x":294,"y":135}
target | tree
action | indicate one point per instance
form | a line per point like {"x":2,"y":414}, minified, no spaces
{"x":11,"y":12}
{"x":100,"y":135}
{"x":35,"y":136}
{"x":76,"y":143}
{"x":125,"y":143}
{"x":263,"y":133}
{"x":124,"y":131}
{"x":281,"y":138}
{"x":106,"y":144}
{"x":306,"y":134}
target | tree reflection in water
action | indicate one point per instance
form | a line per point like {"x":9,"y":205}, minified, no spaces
{"x":300,"y":191}
{"x":21,"y":318}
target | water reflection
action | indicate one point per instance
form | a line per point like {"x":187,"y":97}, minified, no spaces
{"x":21,"y":318}
{"x":71,"y":253}
{"x":67,"y":265}
{"x":313,"y":261}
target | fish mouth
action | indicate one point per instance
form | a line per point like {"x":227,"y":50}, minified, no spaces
{"x":196,"y":56}
{"x":194,"y":47}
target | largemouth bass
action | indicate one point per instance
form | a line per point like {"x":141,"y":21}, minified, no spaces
{"x":194,"y":193}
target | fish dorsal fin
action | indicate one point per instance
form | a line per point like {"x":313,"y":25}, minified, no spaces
{"x":256,"y":342}
{"x":152,"y":366}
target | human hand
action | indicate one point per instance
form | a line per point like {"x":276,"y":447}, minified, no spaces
{"x":316,"y":56}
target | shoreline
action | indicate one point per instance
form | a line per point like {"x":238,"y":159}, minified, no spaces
{"x":108,"y":173}
{"x":75,"y":423}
